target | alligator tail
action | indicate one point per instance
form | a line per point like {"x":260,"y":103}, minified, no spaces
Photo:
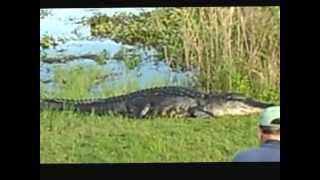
{"x":53,"y":105}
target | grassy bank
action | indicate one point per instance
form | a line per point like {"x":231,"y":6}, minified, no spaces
{"x":69,"y":137}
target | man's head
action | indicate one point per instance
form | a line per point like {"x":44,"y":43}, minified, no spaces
{"x":269,"y":124}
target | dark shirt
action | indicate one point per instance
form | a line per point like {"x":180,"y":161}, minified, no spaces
{"x":269,"y":151}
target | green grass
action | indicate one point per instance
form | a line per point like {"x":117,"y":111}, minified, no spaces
{"x":68,"y":137}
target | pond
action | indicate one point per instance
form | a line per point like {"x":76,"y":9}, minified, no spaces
{"x":77,"y":41}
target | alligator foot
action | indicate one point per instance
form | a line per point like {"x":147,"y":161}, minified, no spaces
{"x":197,"y":112}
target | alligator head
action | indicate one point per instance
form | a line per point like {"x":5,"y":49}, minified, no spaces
{"x":232,"y":104}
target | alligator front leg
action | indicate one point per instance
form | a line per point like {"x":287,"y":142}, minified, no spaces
{"x":197,"y":112}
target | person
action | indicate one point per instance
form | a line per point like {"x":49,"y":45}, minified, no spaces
{"x":269,"y":135}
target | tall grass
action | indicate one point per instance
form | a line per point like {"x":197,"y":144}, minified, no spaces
{"x":233,"y":48}
{"x":77,"y":82}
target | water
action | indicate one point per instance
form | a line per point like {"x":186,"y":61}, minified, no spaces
{"x":63,"y":23}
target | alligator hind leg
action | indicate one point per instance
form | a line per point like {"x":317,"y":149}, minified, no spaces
{"x":138,"y":107}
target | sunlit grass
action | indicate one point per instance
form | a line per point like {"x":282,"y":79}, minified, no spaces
{"x":68,"y":137}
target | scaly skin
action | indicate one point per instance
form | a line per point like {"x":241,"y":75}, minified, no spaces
{"x":163,"y":101}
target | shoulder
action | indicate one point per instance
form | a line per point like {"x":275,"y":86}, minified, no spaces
{"x":248,"y":155}
{"x":258,"y":154}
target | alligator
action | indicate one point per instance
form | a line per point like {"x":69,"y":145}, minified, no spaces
{"x":172,"y":101}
